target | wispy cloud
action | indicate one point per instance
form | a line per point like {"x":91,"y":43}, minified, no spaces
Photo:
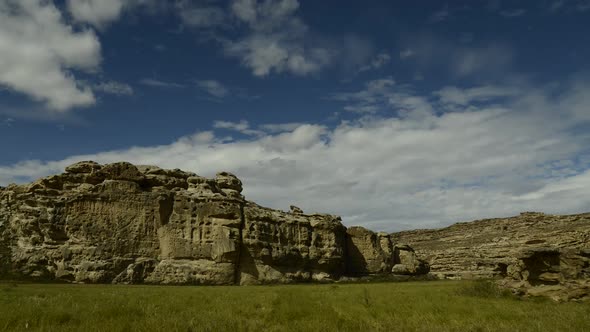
{"x":377,"y":62}
{"x":440,"y":15}
{"x":7,"y":122}
{"x":275,"y":39}
{"x":115,"y":88}
{"x":160,"y":84}
{"x":213,"y":88}
{"x":407,"y":53}
{"x":510,"y":13}
{"x":572,"y":6}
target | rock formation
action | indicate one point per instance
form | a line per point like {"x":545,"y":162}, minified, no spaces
{"x":120,"y":223}
{"x":534,"y":254}
{"x":485,"y":248}
{"x":561,"y":274}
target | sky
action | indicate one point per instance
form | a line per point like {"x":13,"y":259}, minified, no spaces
{"x":394,"y":115}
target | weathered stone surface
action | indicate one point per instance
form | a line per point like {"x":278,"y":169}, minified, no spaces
{"x":561,"y":274}
{"x":407,"y":262}
{"x":121,"y":223}
{"x":485,"y":248}
{"x":368,"y":252}
{"x":84,"y":167}
{"x":285,"y":247}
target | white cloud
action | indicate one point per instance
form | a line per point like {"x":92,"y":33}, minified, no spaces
{"x":115,"y":88}
{"x":424,"y":168}
{"x":275,"y":41}
{"x":200,"y":14}
{"x":383,"y":95}
{"x":96,"y":12}
{"x":101,"y":13}
{"x":242,"y":127}
{"x":454,"y":95}
{"x":160,"y":84}
{"x":213,"y":88}
{"x":39,"y":50}
{"x":245,"y":128}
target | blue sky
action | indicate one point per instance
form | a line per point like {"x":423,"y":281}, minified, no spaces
{"x":393,"y":115}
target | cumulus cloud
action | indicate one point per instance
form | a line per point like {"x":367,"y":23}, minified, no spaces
{"x":39,"y":51}
{"x":101,"y":13}
{"x":96,"y":12}
{"x":428,"y":168}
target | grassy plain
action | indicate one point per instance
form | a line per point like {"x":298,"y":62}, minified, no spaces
{"x":406,"y":306}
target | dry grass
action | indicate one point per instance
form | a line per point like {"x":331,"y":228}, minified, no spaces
{"x":412,"y":306}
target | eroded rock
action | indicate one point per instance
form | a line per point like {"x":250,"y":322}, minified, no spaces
{"x":560,"y":274}
{"x":121,"y":223}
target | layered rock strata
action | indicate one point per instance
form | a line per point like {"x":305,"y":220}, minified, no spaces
{"x":120,"y":223}
{"x":486,"y":248}
{"x":560,"y":274}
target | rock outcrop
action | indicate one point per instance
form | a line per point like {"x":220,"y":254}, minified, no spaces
{"x":121,"y":223}
{"x":561,"y":274}
{"x":486,"y":248}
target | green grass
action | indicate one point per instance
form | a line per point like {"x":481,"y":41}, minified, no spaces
{"x":409,"y":306}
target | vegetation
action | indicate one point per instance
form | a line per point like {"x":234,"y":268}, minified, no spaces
{"x":410,"y":306}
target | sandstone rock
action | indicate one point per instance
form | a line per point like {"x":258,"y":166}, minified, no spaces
{"x":118,"y":223}
{"x":121,"y":171}
{"x":227,"y":180}
{"x":368,"y":252}
{"x":295,"y":210}
{"x":485,"y":248}
{"x":280,"y":247}
{"x":407,"y":262}
{"x":85,"y":167}
{"x":561,"y":274}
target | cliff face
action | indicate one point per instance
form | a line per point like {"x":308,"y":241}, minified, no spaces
{"x":487,"y":248}
{"x":122,"y":223}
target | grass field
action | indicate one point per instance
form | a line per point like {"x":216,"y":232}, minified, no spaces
{"x":410,"y":306}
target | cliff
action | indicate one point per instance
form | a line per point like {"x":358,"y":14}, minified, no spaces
{"x":486,"y":248}
{"x":121,"y":223}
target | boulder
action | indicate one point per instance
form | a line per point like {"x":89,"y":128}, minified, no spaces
{"x":368,"y":252}
{"x":83,"y":167}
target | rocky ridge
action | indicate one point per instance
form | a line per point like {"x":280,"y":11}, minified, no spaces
{"x":121,"y":223}
{"x":533,"y":254}
{"x":485,"y":248}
